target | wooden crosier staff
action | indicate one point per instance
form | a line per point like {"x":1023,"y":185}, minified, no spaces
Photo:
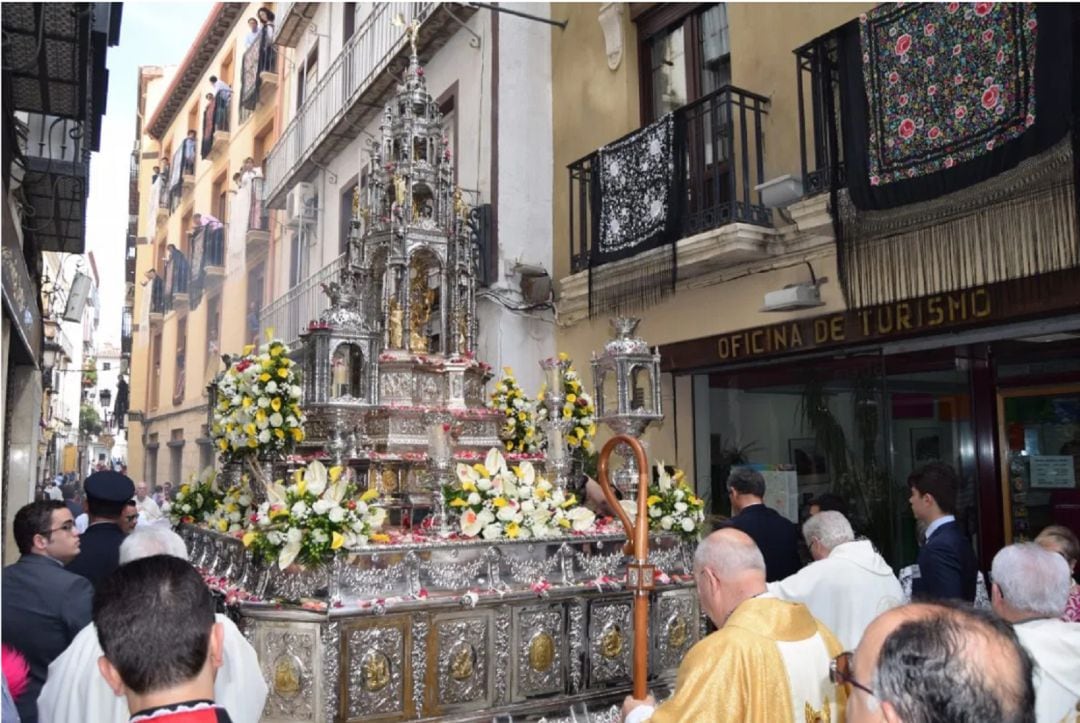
{"x":639,"y":573}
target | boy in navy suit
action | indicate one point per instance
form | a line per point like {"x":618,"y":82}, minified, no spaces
{"x":947,"y":566}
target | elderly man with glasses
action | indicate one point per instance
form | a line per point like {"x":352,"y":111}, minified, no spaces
{"x":44,"y":605}
{"x":938,"y":661}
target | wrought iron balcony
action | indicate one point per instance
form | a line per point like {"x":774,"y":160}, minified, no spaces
{"x":290,"y":314}
{"x":56,"y":181}
{"x":126,"y":323}
{"x":257,"y":237}
{"x":348,"y":95}
{"x":181,"y":172}
{"x":215,"y":124}
{"x":818,"y":82}
{"x":258,"y":77}
{"x":718,"y":161}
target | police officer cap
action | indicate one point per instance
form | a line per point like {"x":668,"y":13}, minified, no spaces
{"x":110,"y":486}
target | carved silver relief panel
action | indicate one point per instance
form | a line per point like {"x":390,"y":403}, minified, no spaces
{"x":290,"y":657}
{"x":674,"y":628}
{"x":462,"y":660}
{"x":539,"y":651}
{"x":395,"y":387}
{"x":376,"y":671}
{"x":611,"y":641}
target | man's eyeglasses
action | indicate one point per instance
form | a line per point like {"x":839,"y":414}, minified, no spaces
{"x":841,"y":673}
{"x":66,"y":527}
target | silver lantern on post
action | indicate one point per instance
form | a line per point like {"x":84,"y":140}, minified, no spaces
{"x":440,"y":454}
{"x":556,"y":425}
{"x":626,"y":375}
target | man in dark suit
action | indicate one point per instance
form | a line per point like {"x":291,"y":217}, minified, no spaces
{"x":44,"y":605}
{"x":776,"y":536}
{"x":947,"y":566}
{"x":107,"y":493}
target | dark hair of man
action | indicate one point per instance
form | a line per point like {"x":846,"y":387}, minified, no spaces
{"x":105,"y":508}
{"x":213,"y":78}
{"x":931,"y":669}
{"x":937,"y":479}
{"x":829,"y":502}
{"x":68,"y":492}
{"x":34,"y":519}
{"x":160,"y":651}
{"x":747,"y":482}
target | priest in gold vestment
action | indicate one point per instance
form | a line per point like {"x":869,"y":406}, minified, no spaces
{"x":768,"y":662}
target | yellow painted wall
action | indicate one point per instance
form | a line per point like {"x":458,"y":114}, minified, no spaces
{"x":190,"y":413}
{"x":594,"y":105}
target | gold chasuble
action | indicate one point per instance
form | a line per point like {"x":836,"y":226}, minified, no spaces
{"x":768,"y":664}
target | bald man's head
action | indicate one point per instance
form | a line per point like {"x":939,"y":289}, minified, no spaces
{"x":729,"y":569}
{"x":941,"y":662}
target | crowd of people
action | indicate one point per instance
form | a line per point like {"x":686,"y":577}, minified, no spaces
{"x":837,"y":639}
{"x":840,"y":639}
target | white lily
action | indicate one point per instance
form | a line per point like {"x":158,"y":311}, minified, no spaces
{"x":471,"y":524}
{"x":288,"y":554}
{"x":466,"y":473}
{"x":494,"y":462}
{"x":527,"y":474}
{"x":581,"y":518}
{"x":275,"y":494}
{"x":630,"y":508}
{"x":315,"y":476}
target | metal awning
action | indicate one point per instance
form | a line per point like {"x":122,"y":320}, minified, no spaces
{"x":47,"y":56}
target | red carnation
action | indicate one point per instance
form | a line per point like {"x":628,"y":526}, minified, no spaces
{"x":957,"y":49}
{"x":929,"y":28}
{"x":932,"y":90}
{"x":988,"y":35}
{"x":903,"y":44}
{"x":930,"y":60}
{"x":894,"y":77}
{"x":960,"y":112}
{"x":903,"y":100}
{"x":952,"y":7}
{"x":949,"y":162}
{"x":907,"y":128}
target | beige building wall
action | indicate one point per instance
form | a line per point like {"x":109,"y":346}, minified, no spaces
{"x":595,"y":105}
{"x":184,"y":419}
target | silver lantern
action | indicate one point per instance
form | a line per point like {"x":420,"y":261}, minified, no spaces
{"x":556,"y":426}
{"x":626,"y":375}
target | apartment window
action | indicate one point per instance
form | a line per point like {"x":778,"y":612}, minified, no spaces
{"x":255,"y":286}
{"x":155,"y":381}
{"x":346,"y":214}
{"x":213,"y":332}
{"x":220,"y":195}
{"x":176,"y":457}
{"x":684,"y":55}
{"x":350,"y":21}
{"x":181,"y":362}
{"x":262,"y":141}
{"x":105,"y":366}
{"x":307,"y":77}
{"x":185,"y":233}
{"x":206,"y":449}
{"x":226,"y":72}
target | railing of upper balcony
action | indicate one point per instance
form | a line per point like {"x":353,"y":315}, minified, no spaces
{"x":215,"y":118}
{"x":720,"y":154}
{"x":177,"y":275}
{"x":818,"y":83}
{"x":183,"y":164}
{"x":211,"y":244}
{"x":157,"y":296}
{"x":290,"y":314}
{"x":129,"y":259}
{"x":259,"y":215}
{"x":260,"y":57}
{"x":363,"y":58}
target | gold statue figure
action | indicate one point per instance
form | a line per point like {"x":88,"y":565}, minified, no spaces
{"x":286,"y":677}
{"x":400,"y":189}
{"x":423,"y":299}
{"x":376,"y":671}
{"x":461,"y":209}
{"x":395,"y":323}
{"x":461,"y":662}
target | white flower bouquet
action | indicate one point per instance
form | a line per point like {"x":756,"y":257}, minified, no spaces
{"x":519,"y":432}
{"x":232,"y":509}
{"x":309,"y":519}
{"x":197,"y":500}
{"x":497,"y":502}
{"x":673,"y":506}
{"x":577,"y":407}
{"x":258,"y":404}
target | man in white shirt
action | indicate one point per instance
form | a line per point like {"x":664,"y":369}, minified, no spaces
{"x":76,"y":691}
{"x":1030,"y":589}
{"x":144,"y":503}
{"x":253,"y":33}
{"x":849,"y":583}
{"x":220,"y":86}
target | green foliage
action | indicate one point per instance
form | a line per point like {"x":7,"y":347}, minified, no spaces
{"x":731,"y":454}
{"x":89,"y":420}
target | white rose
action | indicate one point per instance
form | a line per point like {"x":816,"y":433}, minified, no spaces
{"x":294,"y":391}
{"x":263,"y":401}
{"x":275,"y":419}
{"x":486,"y":516}
{"x":680,"y":507}
{"x":655,"y":512}
{"x":185,"y":508}
{"x":321,"y":507}
{"x":492,"y":532}
{"x":299,"y":509}
{"x":319,"y":535}
{"x":264,"y":436}
{"x":687,"y":525}
{"x":361,"y":508}
{"x":508,"y":514}
{"x":271,"y":387}
{"x":680,"y":495}
{"x":473,"y":498}
{"x":244,"y":500}
{"x":273,"y":537}
{"x":483,"y":484}
{"x":337,"y":515}
{"x":234,"y":516}
{"x":666,"y":522}
{"x":295,"y":534}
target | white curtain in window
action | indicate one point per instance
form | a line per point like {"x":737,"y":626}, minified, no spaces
{"x":714,"y":34}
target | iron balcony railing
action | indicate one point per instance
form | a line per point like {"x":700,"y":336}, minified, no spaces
{"x":290,"y":314}
{"x":259,"y":58}
{"x":364,"y":58}
{"x":183,"y":164}
{"x":215,"y":118}
{"x":818,"y":81}
{"x":718,"y":159}
{"x":55,"y":185}
{"x":157,"y":296}
{"x":126,"y":323}
{"x":259,"y":215}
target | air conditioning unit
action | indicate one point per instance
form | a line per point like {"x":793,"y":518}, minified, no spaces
{"x":300,"y":206}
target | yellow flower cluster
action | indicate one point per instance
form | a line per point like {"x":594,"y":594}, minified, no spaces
{"x":519,"y":433}
{"x":577,"y":406}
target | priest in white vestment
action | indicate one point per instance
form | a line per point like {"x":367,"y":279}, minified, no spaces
{"x":1030,"y":589}
{"x":148,"y":509}
{"x":76,"y":691}
{"x":767,"y":663}
{"x":848,"y":584}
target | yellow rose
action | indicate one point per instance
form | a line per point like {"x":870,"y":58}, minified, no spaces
{"x":224,"y":444}
{"x":223,"y":525}
{"x":468,"y":486}
{"x":369,"y":495}
{"x":283,"y":372}
{"x":563,"y":356}
{"x":264,"y":377}
{"x":298,"y":434}
{"x":380,"y":537}
{"x":247,"y":402}
{"x":571,"y":398}
{"x":248,"y":349}
{"x":522,"y":416}
{"x":458,"y":502}
{"x":509,"y":446}
{"x":499,"y":502}
{"x":279,"y":433}
{"x":653,"y":499}
{"x":336,"y":540}
{"x":513,"y":530}
{"x":249,"y":537}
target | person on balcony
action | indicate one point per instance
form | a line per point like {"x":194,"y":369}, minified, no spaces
{"x":221,"y":89}
{"x":266,"y":17}
{"x":189,"y":154}
{"x":253,"y":33}
{"x":214,"y":241}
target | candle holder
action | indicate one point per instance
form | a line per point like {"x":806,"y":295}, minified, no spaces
{"x":439,"y":459}
{"x":556,"y":426}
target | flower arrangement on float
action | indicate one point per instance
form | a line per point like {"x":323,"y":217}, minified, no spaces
{"x":197,"y":500}
{"x":577,"y":407}
{"x":257,"y":413}
{"x":496,"y":501}
{"x":519,"y":432}
{"x":306,"y":521}
{"x":232,"y":509}
{"x":672,"y":504}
